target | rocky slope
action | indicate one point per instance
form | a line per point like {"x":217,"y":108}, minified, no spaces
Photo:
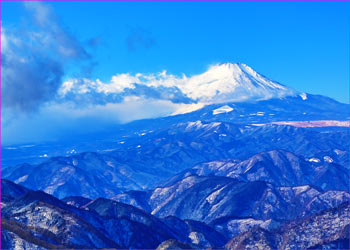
{"x":174,"y":244}
{"x":231,"y":206}
{"x":209,"y":198}
{"x":326,"y":230}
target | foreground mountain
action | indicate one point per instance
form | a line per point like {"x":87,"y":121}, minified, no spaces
{"x":199,"y":233}
{"x":38,"y":220}
{"x":174,"y":244}
{"x":10,"y":191}
{"x":39,"y":216}
{"x":326,"y":230}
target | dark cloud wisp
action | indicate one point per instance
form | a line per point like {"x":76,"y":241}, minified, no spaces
{"x":33,"y":62}
{"x":28,"y":83}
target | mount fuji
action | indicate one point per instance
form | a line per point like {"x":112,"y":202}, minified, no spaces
{"x":233,"y":82}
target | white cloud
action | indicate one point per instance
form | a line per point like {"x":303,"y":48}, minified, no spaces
{"x":57,"y":120}
{"x":52,"y":33}
{"x":119,"y":83}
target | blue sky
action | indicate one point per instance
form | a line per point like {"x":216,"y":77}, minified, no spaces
{"x":304,"y":45}
{"x":301,"y":44}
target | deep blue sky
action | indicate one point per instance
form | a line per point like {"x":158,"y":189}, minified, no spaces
{"x":304,"y":45}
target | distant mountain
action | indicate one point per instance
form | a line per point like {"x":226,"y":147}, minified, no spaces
{"x":278,"y":167}
{"x":210,"y":198}
{"x":233,"y":82}
{"x":150,"y":158}
{"x":277,"y":110}
{"x":135,"y":198}
{"x":243,"y":114}
{"x":307,"y":107}
{"x":88,"y":174}
{"x":232,"y":206}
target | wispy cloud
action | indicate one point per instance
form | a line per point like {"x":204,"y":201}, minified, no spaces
{"x":57,"y":36}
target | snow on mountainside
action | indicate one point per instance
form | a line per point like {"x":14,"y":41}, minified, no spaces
{"x":233,"y":82}
{"x":222,"y":110}
{"x":305,"y":124}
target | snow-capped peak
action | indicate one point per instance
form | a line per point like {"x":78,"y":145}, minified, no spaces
{"x":233,"y":82}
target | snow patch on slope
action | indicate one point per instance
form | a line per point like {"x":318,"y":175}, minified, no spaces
{"x":303,"y":96}
{"x":314,"y":160}
{"x":223,"y":109}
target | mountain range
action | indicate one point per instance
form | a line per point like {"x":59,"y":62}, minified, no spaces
{"x":259,"y":166}
{"x":147,"y":160}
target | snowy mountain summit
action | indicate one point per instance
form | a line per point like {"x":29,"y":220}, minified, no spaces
{"x":234,"y":82}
